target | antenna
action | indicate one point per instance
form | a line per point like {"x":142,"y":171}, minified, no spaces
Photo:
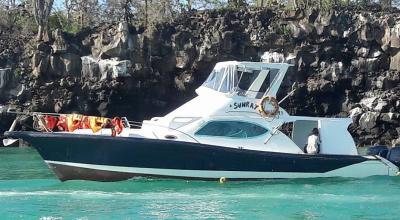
{"x":294,"y":88}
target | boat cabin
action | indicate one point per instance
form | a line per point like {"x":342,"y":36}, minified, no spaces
{"x":226,"y":113}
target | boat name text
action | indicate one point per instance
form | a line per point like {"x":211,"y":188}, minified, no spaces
{"x":239,"y":105}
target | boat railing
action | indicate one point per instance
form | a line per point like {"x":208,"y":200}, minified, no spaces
{"x":134,"y":124}
{"x":40,"y":124}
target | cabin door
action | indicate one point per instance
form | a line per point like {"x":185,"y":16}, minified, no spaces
{"x":301,"y":130}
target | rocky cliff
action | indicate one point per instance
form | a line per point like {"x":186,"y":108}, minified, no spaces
{"x":347,"y":63}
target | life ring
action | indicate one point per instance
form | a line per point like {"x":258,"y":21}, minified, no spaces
{"x":273,"y":102}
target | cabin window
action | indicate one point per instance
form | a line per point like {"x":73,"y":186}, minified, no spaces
{"x":243,"y":80}
{"x":232,"y":129}
{"x":247,"y":78}
{"x":254,"y":83}
{"x":215,"y":79}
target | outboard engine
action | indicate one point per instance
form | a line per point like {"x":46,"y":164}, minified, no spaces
{"x":394,"y":156}
{"x":379,"y":150}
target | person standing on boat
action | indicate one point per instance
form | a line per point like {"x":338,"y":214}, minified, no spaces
{"x":313,"y":142}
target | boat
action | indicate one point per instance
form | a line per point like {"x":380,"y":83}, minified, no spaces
{"x":233,"y":129}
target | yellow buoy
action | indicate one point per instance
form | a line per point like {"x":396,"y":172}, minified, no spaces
{"x":222,"y":180}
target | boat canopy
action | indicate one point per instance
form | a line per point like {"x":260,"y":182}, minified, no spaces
{"x":248,"y":79}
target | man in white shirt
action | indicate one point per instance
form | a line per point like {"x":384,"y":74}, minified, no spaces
{"x":313,"y":142}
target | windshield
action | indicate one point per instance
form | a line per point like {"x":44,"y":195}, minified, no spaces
{"x":227,"y":78}
{"x":222,"y":79}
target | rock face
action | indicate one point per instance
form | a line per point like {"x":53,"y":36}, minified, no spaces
{"x":107,"y":69}
{"x":5,"y":77}
{"x":346,"y":63}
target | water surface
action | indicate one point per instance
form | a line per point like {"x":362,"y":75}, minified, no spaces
{"x":29,"y":190}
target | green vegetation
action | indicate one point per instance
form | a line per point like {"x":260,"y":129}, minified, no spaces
{"x":284,"y":30}
{"x":59,"y":21}
{"x":17,"y":19}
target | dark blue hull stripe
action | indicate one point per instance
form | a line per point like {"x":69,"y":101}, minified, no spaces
{"x":165,"y":154}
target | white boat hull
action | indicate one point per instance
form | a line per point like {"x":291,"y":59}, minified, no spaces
{"x":361,"y":170}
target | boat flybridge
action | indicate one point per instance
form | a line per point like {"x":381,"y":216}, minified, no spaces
{"x":233,"y":129}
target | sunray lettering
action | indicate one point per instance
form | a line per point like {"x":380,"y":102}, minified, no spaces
{"x":239,"y":105}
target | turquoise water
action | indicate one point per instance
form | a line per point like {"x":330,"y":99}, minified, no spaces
{"x":28,"y":190}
